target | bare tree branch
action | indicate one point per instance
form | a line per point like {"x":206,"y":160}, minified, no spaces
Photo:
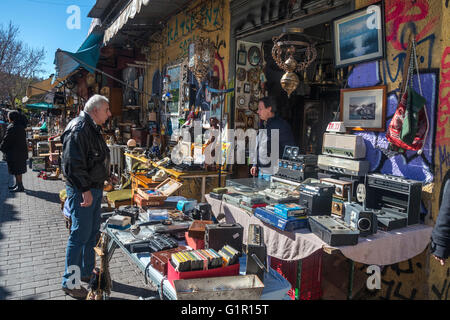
{"x":19,"y":64}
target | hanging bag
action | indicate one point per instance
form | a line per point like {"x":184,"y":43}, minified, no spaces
{"x":409,"y":127}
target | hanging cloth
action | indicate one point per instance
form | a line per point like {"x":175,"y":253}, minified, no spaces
{"x":410,"y":125}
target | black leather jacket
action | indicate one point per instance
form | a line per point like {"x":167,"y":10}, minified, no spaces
{"x":85,"y":157}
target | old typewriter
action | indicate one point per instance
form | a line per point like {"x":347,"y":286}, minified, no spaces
{"x":256,"y":251}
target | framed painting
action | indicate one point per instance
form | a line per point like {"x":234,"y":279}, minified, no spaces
{"x":359,"y":36}
{"x":364,"y":108}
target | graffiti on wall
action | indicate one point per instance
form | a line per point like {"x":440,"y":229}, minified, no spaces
{"x":402,"y":19}
{"x":444,"y":112}
{"x":410,"y":164}
{"x":399,"y":281}
{"x":208,"y":16}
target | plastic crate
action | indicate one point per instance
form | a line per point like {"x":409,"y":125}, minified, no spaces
{"x":311,"y":275}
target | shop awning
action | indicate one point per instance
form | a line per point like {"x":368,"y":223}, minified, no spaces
{"x":42,"y":105}
{"x":89,"y":52}
{"x":43,"y":87}
{"x":143,"y":16}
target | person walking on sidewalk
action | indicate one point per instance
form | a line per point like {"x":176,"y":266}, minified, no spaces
{"x":85,"y":165}
{"x":15,"y":149}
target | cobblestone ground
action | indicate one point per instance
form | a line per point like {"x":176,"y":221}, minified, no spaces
{"x":33,"y":241}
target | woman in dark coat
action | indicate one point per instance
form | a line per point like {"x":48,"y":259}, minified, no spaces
{"x":14,"y":146}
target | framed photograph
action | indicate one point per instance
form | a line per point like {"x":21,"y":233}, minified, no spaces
{"x":364,"y":108}
{"x":359,"y":36}
{"x":247,"y":88}
{"x":254,"y":56}
{"x":242,"y":56}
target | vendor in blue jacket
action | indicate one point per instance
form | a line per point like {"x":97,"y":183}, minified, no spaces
{"x":440,"y":237}
{"x":267,"y":161}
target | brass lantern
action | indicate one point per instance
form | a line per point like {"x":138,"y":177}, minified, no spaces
{"x":287,"y":62}
{"x":201,"y":58}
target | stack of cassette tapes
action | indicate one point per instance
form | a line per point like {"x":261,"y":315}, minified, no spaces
{"x":229,"y":255}
{"x":196,"y":260}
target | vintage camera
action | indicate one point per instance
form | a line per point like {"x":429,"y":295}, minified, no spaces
{"x":365,"y":220}
{"x":202,"y":211}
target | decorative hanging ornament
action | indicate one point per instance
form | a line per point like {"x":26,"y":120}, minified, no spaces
{"x":201,"y":58}
{"x":287,"y":62}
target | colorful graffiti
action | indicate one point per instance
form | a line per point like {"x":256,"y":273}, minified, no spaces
{"x":444,"y":100}
{"x":402,"y":19}
{"x":410,"y":164}
{"x":208,"y":16}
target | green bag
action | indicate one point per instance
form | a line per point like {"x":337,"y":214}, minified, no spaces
{"x":415,"y":104}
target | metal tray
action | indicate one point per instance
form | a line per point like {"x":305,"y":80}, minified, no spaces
{"x":247,"y":287}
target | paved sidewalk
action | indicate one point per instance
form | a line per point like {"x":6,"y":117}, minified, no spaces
{"x":33,"y":241}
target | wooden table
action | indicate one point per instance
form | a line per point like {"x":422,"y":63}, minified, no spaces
{"x":140,"y":180}
{"x":182,"y":175}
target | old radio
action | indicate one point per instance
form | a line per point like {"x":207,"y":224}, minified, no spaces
{"x":394,"y":193}
{"x":316,"y":197}
{"x":217,"y":235}
{"x":256,"y":251}
{"x":365,"y":220}
{"x":343,"y":166}
{"x":333,"y":231}
{"x":338,"y":207}
{"x":390,"y":219}
{"x":160,"y":259}
{"x":344,"y":145}
{"x":295,"y":166}
{"x":342,"y":189}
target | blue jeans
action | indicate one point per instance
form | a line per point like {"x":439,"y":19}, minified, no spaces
{"x":264,"y":176}
{"x":83,"y":233}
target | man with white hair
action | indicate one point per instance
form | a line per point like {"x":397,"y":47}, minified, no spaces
{"x":85,"y":164}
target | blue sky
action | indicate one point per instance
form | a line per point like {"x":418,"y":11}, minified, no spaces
{"x":42,"y":24}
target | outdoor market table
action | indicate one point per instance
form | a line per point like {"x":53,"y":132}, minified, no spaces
{"x":382,"y":248}
{"x":182,"y":175}
{"x":275,"y":286}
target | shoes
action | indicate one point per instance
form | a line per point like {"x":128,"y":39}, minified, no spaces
{"x":80,"y":293}
{"x":13,"y":187}
{"x":18,"y":189}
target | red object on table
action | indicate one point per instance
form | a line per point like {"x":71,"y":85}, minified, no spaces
{"x":172,"y":274}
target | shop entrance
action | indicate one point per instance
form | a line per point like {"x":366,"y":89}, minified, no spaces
{"x":315,"y":102}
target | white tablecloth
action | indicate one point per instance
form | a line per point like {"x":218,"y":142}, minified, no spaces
{"x":382,"y":248}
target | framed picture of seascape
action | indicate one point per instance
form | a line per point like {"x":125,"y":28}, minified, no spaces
{"x":359,"y":36}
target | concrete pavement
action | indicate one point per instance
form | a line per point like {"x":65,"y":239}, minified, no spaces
{"x":33,"y":240}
